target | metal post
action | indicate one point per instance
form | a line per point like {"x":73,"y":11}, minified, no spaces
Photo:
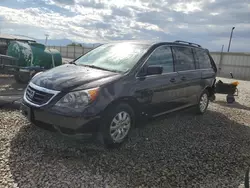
{"x":67,"y":52}
{"x":1,"y":24}
{"x":221,"y":58}
{"x":74,"y":51}
{"x":231,"y":35}
{"x":46,"y":39}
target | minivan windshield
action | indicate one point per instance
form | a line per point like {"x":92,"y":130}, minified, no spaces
{"x":117,"y":57}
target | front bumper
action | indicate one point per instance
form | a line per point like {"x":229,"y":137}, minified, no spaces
{"x":61,"y":123}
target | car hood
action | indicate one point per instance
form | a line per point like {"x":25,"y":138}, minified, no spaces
{"x":70,"y":76}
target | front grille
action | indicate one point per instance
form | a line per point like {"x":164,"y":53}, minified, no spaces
{"x":37,"y":97}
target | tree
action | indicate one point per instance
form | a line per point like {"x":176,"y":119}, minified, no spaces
{"x":74,"y":44}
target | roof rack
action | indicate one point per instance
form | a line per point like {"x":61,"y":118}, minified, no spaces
{"x":185,"y":42}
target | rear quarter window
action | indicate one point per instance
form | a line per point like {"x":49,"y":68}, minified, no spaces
{"x":202,"y":59}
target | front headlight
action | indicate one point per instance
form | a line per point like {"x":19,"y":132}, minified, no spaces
{"x":78,"y":99}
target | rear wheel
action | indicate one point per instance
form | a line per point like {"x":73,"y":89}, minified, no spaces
{"x":230,"y":99}
{"x":118,"y":121}
{"x":203,"y":102}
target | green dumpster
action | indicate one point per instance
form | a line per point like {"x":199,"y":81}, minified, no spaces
{"x":34,"y":54}
{"x":31,"y":57}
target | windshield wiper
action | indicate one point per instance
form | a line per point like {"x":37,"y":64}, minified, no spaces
{"x":72,"y":62}
{"x":95,"y":67}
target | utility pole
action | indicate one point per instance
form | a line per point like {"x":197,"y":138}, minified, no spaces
{"x":46,"y":39}
{"x":1,"y":25}
{"x":231,"y":35}
{"x":222,"y":48}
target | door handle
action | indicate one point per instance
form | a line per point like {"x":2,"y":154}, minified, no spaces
{"x":172,"y":80}
{"x":183,"y":78}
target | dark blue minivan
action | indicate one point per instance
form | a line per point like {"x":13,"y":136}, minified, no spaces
{"x":113,"y":86}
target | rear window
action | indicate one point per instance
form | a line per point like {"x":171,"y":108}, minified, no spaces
{"x":184,"y":59}
{"x":202,"y":59}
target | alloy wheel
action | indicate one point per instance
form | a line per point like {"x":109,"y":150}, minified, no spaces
{"x":120,"y":126}
{"x":203,"y":102}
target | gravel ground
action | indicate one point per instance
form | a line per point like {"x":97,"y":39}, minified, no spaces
{"x":177,"y":150}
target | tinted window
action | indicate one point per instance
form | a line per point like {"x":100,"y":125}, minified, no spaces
{"x":202,"y":59}
{"x":162,"y":56}
{"x":184,"y":59}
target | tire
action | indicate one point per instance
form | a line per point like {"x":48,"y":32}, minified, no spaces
{"x":230,"y":99}
{"x":22,"y":78}
{"x":115,"y":121}
{"x":212,"y":98}
{"x":203,"y":102}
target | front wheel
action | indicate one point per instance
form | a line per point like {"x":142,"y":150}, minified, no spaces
{"x":203,"y":102}
{"x":118,"y":121}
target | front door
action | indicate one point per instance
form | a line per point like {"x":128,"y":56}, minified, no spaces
{"x":159,"y":93}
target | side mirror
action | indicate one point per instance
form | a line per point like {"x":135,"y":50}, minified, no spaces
{"x":153,"y":70}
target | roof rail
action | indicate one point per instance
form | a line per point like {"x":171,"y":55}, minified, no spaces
{"x":185,"y":42}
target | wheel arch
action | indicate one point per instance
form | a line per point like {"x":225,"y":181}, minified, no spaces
{"x":210,"y":90}
{"x":131,"y":101}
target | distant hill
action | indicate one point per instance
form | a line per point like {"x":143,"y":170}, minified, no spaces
{"x":65,"y":42}
{"x":55,"y":42}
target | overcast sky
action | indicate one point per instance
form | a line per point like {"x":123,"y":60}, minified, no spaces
{"x":207,"y":22}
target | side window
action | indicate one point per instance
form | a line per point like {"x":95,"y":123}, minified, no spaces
{"x":162,"y":56}
{"x":184,"y":59}
{"x":202,"y":59}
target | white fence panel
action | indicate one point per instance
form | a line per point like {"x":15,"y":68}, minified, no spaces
{"x":86,"y":50}
{"x":216,"y":57}
{"x":71,"y":51}
{"x":237,"y":63}
{"x":78,"y":51}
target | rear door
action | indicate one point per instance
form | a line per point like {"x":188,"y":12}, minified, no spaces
{"x":205,"y":66}
{"x":190,"y":77}
{"x":158,"y":93}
